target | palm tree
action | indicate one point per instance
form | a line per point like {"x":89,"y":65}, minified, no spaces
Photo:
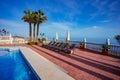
{"x":117,"y":37}
{"x":4,"y":31}
{"x":34,"y":16}
{"x":40,"y":19}
{"x":28,"y":18}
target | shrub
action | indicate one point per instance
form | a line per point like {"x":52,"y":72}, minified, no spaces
{"x":82,"y":43}
{"x":33,"y":43}
{"x":43,"y":39}
{"x":106,"y":47}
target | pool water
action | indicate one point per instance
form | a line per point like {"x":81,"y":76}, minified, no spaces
{"x":13,"y":66}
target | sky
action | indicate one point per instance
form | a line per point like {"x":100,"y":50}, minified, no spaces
{"x":82,"y":18}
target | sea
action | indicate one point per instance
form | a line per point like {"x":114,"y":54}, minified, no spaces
{"x":113,"y":41}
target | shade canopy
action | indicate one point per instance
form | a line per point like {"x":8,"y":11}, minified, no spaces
{"x":68,"y":36}
{"x":56,"y":37}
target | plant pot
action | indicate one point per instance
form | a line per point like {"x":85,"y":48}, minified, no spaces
{"x":105,"y":52}
{"x":82,"y":47}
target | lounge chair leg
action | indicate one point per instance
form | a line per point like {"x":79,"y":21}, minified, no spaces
{"x":74,"y":51}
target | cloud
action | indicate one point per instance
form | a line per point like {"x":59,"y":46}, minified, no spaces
{"x":78,"y":32}
{"x":105,"y":21}
{"x":100,"y":6}
{"x":14,"y":27}
{"x":94,"y":32}
{"x":114,"y":6}
{"x":95,"y":27}
{"x":11,"y":23}
{"x":105,"y":8}
{"x":71,"y":8}
{"x":51,"y":28}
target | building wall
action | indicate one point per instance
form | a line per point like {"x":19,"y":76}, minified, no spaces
{"x":11,"y":40}
{"x":6,"y":40}
{"x":19,"y":40}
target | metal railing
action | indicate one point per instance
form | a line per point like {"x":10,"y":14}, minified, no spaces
{"x":114,"y":49}
{"x":94,"y":46}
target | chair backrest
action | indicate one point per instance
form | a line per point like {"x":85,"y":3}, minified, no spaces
{"x":72,"y":46}
{"x":60,"y":44}
{"x":57,"y":44}
{"x":50,"y":42}
{"x":66,"y":45}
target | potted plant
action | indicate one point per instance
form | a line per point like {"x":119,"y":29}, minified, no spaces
{"x":82,"y":45}
{"x":43,"y":40}
{"x":105,"y":49}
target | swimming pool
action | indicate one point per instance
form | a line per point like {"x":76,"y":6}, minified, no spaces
{"x":13,"y":66}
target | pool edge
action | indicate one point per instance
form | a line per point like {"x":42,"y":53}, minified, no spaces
{"x":45,"y":69}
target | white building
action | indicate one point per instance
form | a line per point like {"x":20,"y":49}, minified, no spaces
{"x":6,"y":39}
{"x":19,"y":40}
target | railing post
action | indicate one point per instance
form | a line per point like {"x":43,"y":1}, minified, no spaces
{"x":106,"y":47}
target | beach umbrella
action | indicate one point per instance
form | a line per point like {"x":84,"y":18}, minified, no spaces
{"x":85,"y":42}
{"x":56,"y":37}
{"x":68,"y":36}
{"x":108,"y":41}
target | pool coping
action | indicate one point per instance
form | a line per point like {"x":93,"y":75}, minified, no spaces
{"x":44,"y":68}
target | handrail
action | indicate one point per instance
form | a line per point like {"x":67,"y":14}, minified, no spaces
{"x":114,"y":49}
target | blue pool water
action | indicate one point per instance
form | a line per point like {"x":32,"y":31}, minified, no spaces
{"x":13,"y":66}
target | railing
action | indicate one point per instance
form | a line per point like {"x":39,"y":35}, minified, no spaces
{"x":114,"y":50}
{"x":94,"y":46}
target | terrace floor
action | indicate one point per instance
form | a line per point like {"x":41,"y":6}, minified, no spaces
{"x":83,"y":65}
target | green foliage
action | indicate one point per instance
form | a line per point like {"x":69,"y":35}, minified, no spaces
{"x":37,"y":43}
{"x":106,"y":47}
{"x":33,"y":43}
{"x":36,"y":18}
{"x":117,"y":37}
{"x":82,"y":43}
{"x":43,"y":39}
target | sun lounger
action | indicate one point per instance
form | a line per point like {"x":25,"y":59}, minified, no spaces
{"x":48,"y":46}
{"x":57,"y":47}
{"x":45,"y":45}
{"x":53,"y":46}
{"x":65,"y":45}
{"x":60,"y":47}
{"x":70,"y":49}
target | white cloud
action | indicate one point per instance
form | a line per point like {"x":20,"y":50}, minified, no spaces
{"x":61,"y":27}
{"x":12,"y":23}
{"x":14,"y":27}
{"x":105,"y":21}
{"x":93,"y":31}
{"x":51,"y":28}
{"x":95,"y":27}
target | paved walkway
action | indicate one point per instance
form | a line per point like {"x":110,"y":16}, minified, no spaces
{"x":84,"y":65}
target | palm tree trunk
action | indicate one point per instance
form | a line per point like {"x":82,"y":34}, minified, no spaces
{"x":34,"y":33}
{"x":30,"y":32}
{"x":37,"y":32}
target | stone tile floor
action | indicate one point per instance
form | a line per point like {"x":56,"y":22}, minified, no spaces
{"x":84,"y":65}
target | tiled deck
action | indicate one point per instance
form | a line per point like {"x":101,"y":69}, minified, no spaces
{"x":84,"y":65}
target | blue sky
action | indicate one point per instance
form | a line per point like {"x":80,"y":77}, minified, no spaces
{"x":83,"y":18}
